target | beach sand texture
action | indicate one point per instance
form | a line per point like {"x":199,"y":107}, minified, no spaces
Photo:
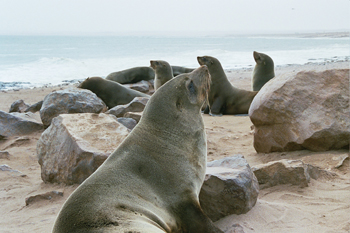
{"x":323,"y":206}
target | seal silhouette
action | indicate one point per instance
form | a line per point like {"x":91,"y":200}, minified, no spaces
{"x":163,"y":72}
{"x":151,"y":182}
{"x":112,"y":93}
{"x":264,"y":70}
{"x":223,"y":97}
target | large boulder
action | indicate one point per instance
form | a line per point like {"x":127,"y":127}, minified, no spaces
{"x":230,"y":187}
{"x":136,"y":105}
{"x":75,"y":145}
{"x":16,"y":124}
{"x":70,"y":101}
{"x":309,"y":110}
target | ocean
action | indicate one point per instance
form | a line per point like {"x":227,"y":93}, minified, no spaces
{"x":34,"y":61}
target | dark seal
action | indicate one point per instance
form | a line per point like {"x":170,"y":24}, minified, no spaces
{"x":264,"y":70}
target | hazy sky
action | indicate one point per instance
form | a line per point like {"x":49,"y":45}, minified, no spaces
{"x":175,"y":16}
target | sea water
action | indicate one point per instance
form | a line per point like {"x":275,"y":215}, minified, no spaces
{"x":29,"y":61}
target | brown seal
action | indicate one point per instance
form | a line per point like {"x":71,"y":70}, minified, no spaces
{"x":137,"y":74}
{"x":112,"y":93}
{"x":163,"y":73}
{"x":264,"y":70}
{"x":151,"y":182}
{"x":223,"y":97}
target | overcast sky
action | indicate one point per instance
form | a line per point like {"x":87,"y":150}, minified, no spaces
{"x":188,"y":16}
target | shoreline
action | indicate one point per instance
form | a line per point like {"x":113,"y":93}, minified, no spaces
{"x":16,"y":86}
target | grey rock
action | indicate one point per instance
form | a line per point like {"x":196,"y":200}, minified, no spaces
{"x":284,"y":171}
{"x":309,"y":110}
{"x":18,"y":106}
{"x":230,"y":187}
{"x":4,"y":155}
{"x":136,"y":105}
{"x":127,"y":122}
{"x":16,"y":124}
{"x":40,"y":197}
{"x":134,"y":115}
{"x":75,"y":145}
{"x":35,"y":107}
{"x":70,"y":101}
{"x":142,"y":86}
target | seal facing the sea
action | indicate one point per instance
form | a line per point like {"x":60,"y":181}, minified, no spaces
{"x":264,"y":70}
{"x":223,"y":97}
{"x":163,"y":73}
{"x":151,"y":182}
{"x":112,"y":93}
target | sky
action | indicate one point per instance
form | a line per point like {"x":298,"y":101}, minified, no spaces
{"x":109,"y":17}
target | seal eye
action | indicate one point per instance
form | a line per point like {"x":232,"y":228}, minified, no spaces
{"x":192,"y":88}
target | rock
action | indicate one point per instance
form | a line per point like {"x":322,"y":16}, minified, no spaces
{"x":16,"y":124}
{"x":18,"y":106}
{"x":230,"y":187}
{"x":284,"y":171}
{"x":40,"y":197}
{"x":136,"y":105}
{"x":35,"y":107}
{"x":12,"y":172}
{"x":233,"y":228}
{"x":134,"y":115}
{"x":308,"y":110}
{"x":127,"y":122}
{"x":75,"y":145}
{"x":4,"y":155}
{"x":70,"y":101}
{"x":142,"y":86}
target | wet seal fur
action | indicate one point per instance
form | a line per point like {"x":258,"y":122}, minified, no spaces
{"x":163,"y":72}
{"x":112,"y":93}
{"x":151,"y":182}
{"x":264,"y":70}
{"x":224,"y":99}
{"x":137,"y":74}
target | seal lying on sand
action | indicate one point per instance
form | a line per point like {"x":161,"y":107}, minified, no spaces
{"x":112,"y":93}
{"x":137,"y":74}
{"x":151,"y":182}
{"x":223,"y":97}
{"x":163,"y":73}
{"x":264,"y":70}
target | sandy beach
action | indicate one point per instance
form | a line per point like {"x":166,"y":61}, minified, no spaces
{"x":322,"y":207}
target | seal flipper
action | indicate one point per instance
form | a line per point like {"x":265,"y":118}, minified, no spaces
{"x":216,"y":107}
{"x":193,"y":219}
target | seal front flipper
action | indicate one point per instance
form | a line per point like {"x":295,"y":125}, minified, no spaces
{"x":216,"y":107}
{"x":193,"y":220}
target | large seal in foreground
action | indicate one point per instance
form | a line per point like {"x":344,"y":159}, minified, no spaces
{"x":163,"y":72}
{"x":112,"y":93}
{"x":152,"y":181}
{"x":223,"y":97}
{"x":264,"y":70}
{"x":137,"y":74}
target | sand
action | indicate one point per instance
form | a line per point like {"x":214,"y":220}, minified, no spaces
{"x":323,"y":206}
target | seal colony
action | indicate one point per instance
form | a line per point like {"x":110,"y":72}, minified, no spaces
{"x":151,"y":182}
{"x":264,"y":70}
{"x":223,"y":97}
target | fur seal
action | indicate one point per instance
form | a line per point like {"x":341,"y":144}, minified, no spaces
{"x":264,"y":70}
{"x":137,"y":74}
{"x":151,"y":182}
{"x":132,"y":75}
{"x":223,"y":97}
{"x":163,"y":73}
{"x":112,"y":93}
{"x":177,"y":70}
